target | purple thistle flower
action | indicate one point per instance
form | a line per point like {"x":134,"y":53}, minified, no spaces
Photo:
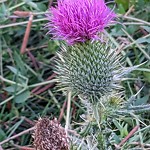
{"x":79,"y":20}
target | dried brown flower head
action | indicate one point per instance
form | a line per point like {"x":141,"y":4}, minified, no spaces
{"x":50,"y":135}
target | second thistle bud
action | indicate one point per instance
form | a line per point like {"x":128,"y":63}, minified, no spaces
{"x":50,"y":135}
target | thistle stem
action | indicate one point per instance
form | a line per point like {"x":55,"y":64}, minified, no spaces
{"x":68,"y":112}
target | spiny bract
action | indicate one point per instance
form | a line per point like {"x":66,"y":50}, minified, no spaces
{"x":89,"y":69}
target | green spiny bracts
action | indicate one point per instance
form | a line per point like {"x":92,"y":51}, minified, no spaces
{"x":90,"y":68}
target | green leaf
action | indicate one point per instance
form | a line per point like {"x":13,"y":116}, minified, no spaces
{"x":118,"y":125}
{"x":3,"y":12}
{"x":14,"y":70}
{"x":116,"y":138}
{"x":19,"y":78}
{"x":143,"y":40}
{"x":124,"y":131}
{"x":131,"y":29}
{"x":12,"y":88}
{"x":147,"y":76}
{"x":142,"y":100}
{"x":22,"y":97}
{"x":41,"y":6}
{"x":32,"y":4}
{"x":121,"y":9}
{"x":124,"y":3}
{"x":2,"y":135}
{"x":129,"y":121}
{"x":20,"y":63}
{"x":147,"y":28}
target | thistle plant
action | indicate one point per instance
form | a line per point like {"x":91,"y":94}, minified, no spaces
{"x":88,"y":63}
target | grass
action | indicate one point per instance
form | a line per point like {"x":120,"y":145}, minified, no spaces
{"x":28,"y":85}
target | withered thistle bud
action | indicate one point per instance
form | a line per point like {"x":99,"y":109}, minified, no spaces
{"x":50,"y":135}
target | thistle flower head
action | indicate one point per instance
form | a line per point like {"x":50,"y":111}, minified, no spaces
{"x":79,"y":20}
{"x":49,"y":135}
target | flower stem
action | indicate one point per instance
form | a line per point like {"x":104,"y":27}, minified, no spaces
{"x":68,"y":112}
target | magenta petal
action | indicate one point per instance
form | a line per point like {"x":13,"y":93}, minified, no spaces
{"x":79,"y":20}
